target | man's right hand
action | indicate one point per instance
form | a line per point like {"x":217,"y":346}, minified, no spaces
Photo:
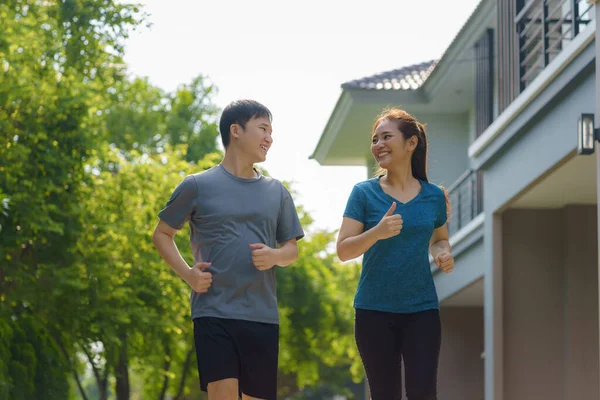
{"x":390,"y":225}
{"x":198,"y":279}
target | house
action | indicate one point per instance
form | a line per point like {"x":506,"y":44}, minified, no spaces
{"x":502,"y":105}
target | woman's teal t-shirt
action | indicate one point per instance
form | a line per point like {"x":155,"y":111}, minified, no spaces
{"x":396,"y":275}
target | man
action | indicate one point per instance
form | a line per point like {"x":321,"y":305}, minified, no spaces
{"x":243,"y":224}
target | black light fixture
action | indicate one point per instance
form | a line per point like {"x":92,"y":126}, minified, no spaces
{"x":587,"y":134}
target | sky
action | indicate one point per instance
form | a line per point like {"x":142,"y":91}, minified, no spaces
{"x":293,"y":58}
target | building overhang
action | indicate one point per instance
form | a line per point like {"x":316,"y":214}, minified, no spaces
{"x":448,"y":89}
{"x":351,"y":121}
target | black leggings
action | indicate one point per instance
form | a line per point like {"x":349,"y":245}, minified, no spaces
{"x":385,"y":339}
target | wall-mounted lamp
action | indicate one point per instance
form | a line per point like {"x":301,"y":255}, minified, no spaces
{"x":587,"y":134}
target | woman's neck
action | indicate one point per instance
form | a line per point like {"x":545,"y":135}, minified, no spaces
{"x":400,"y":177}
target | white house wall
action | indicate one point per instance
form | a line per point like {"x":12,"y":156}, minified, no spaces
{"x":544,"y":142}
{"x":525,"y":109}
{"x":532,"y":145}
{"x":448,"y":142}
{"x":550,"y":289}
{"x":468,"y":268}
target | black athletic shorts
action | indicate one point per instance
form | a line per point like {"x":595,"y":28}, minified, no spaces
{"x":244,"y":350}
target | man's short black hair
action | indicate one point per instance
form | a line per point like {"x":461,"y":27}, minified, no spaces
{"x":240,"y":112}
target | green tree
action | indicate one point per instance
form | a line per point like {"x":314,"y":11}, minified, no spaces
{"x":87,"y":158}
{"x":4,"y":206}
{"x":192,"y":118}
{"x":144,"y":118}
{"x":315,"y":295}
{"x":140,"y":124}
{"x":57,"y":58}
{"x":137,"y":308}
{"x":136,"y":116}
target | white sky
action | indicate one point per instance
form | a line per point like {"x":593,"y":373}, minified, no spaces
{"x":293,"y":57}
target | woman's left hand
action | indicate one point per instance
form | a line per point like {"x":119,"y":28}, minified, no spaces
{"x":445,"y":261}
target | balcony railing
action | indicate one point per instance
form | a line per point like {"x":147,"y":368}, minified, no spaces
{"x":544,"y":29}
{"x":484,"y":82}
{"x":466,"y":198}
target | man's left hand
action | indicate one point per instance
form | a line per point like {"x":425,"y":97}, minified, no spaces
{"x":263,"y":256}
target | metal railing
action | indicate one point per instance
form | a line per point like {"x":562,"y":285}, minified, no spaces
{"x":466,"y":199}
{"x":544,"y":28}
{"x":484,"y":82}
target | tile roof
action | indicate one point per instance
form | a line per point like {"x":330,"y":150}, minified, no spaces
{"x":407,"y":78}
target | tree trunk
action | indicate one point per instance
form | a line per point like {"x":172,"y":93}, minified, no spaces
{"x":122,"y":373}
{"x":166,"y":369}
{"x":100,"y":381}
{"x":72,"y":367}
{"x":184,"y":373}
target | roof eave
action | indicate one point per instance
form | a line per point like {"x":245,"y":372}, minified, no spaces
{"x":391,"y":97}
{"x":348,"y":102}
{"x":332,"y":128}
{"x":461,"y":41}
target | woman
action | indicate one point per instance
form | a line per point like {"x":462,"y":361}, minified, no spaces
{"x":394,"y":219}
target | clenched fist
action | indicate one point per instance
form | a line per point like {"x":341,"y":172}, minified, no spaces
{"x":198,"y":279}
{"x":263,"y":256}
{"x":445,"y":262}
{"x":390,"y":225}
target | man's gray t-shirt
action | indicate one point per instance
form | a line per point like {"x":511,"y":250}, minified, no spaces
{"x":226,"y":214}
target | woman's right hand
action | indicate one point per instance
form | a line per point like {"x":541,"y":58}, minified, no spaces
{"x":390,"y":225}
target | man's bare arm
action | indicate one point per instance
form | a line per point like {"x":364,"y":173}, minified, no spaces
{"x":164,"y":240}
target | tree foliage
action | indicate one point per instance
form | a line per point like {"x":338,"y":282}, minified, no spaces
{"x":315,"y":296}
{"x":54,"y":68}
{"x":88,"y":156}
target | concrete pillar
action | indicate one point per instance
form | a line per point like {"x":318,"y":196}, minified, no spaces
{"x":493,"y":308}
{"x":371,"y":165}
